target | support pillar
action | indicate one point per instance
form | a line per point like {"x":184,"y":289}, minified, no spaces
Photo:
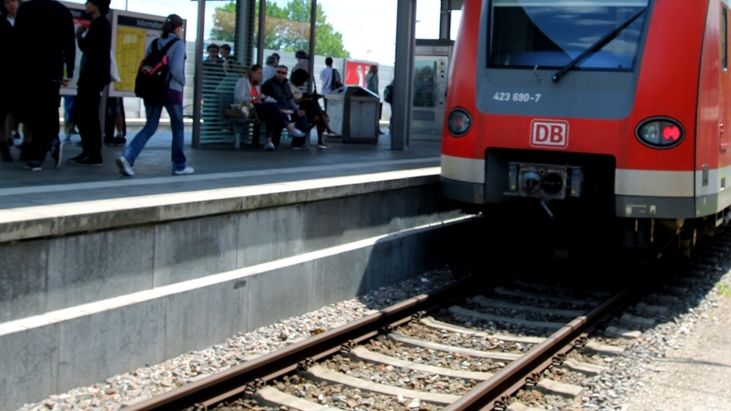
{"x":403,"y":74}
{"x":198,"y":77}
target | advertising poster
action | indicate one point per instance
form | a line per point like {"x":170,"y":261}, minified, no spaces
{"x":131,"y":33}
{"x":356,"y":72}
{"x":81,"y":19}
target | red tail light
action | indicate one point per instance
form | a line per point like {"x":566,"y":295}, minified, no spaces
{"x":660,"y":132}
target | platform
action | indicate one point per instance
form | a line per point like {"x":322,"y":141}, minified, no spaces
{"x":216,"y":167}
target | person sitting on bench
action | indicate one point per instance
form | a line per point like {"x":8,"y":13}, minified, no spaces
{"x":277,"y":89}
{"x":248,"y":90}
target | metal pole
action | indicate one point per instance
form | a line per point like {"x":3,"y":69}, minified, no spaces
{"x":403,"y":74}
{"x":313,"y":39}
{"x":262,"y":32}
{"x":198,"y":77}
{"x":445,"y":20}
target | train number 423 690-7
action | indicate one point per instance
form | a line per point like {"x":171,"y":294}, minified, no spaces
{"x":517,"y":97}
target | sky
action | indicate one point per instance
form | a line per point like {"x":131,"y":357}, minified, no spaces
{"x":368,"y":27}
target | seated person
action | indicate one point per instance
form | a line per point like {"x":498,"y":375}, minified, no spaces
{"x":278,"y":89}
{"x":308,"y":102}
{"x":248,"y":90}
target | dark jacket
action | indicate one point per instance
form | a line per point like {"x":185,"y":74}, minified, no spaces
{"x":280,"y":92}
{"x":96,"y":46}
{"x":47,"y":26}
{"x":6,"y":50}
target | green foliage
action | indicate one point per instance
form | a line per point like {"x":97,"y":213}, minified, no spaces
{"x":224,"y":22}
{"x":724,"y":290}
{"x":287,"y":28}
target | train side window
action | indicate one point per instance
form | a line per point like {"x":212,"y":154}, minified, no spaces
{"x":724,"y":38}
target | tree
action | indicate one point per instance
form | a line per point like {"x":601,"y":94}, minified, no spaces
{"x":287,"y":28}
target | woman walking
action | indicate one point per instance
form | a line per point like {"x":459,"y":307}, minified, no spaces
{"x":172,"y":31}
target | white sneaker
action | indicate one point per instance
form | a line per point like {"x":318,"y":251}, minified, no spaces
{"x":124,"y":167}
{"x":297,"y":133}
{"x":269,"y":147}
{"x":184,"y":172}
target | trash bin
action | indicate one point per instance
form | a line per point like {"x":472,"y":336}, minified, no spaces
{"x":354,"y":113}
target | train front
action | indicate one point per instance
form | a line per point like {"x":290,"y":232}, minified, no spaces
{"x":588,"y":102}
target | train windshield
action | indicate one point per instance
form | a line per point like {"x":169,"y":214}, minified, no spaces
{"x":555,"y":33}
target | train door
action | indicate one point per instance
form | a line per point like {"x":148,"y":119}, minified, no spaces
{"x":725,"y":86}
{"x":724,"y":134}
{"x":431,"y":69}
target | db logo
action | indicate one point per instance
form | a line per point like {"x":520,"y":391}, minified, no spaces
{"x":550,"y":133}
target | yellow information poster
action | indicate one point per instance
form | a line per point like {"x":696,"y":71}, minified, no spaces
{"x":131,"y":34}
{"x":130,"y":50}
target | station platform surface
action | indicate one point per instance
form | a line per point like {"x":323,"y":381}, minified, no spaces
{"x":215,"y":167}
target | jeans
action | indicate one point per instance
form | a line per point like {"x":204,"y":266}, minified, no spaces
{"x":174,"y":106}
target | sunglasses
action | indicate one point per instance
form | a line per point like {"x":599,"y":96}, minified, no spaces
{"x":282,"y":72}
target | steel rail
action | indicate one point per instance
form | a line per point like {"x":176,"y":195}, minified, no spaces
{"x":222,"y":386}
{"x":507,"y":381}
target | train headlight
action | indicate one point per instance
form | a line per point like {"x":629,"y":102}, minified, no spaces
{"x":459,"y":122}
{"x":660,"y":132}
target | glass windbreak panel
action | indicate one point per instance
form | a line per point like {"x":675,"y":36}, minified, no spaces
{"x":551,"y":33}
{"x":424,"y":83}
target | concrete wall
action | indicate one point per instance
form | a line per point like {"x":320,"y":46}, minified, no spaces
{"x":89,"y":295}
{"x":69,"y":270}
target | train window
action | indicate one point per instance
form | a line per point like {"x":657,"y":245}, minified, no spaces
{"x":550,"y":34}
{"x":724,"y":38}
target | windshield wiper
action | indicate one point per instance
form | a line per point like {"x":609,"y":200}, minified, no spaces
{"x":597,"y":46}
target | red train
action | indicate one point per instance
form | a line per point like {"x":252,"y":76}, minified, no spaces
{"x":616,"y":108}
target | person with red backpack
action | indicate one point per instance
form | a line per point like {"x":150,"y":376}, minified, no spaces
{"x":171,"y":68}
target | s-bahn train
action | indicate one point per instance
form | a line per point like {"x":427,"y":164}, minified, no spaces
{"x":600,"y":108}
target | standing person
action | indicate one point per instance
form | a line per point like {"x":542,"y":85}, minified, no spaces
{"x":270,"y":67}
{"x":388,"y":98}
{"x":372,"y":79}
{"x":326,"y":77}
{"x":172,"y":31}
{"x":302,"y":64}
{"x":49,"y":27}
{"x":115,"y":120}
{"x":94,"y":75}
{"x":8,"y":11}
{"x":372,"y":85}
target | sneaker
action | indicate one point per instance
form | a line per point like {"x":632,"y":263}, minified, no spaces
{"x":184,"y":172}
{"x":34,"y":165}
{"x":297,"y":133}
{"x":76,"y":159}
{"x":268,"y":147}
{"x":322,"y":147}
{"x":124,"y":167}
{"x":88,"y":161}
{"x":57,"y":152}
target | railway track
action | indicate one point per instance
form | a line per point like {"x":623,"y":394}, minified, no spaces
{"x":378,"y":362}
{"x":523,"y":345}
